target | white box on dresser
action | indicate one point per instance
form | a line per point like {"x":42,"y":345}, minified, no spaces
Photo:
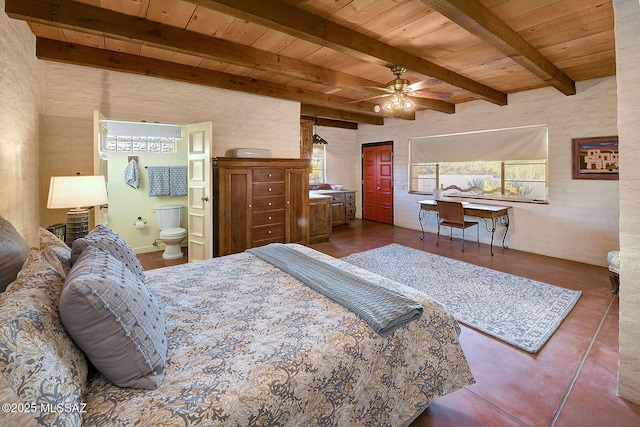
{"x":261,"y":153}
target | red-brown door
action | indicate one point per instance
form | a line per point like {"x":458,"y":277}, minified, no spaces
{"x":377,"y":178}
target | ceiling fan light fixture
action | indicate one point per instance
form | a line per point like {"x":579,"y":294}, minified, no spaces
{"x":407,"y":104}
{"x":389,"y":106}
{"x":398,"y":102}
{"x":399,"y":91}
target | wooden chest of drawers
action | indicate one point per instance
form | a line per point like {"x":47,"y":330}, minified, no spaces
{"x":343,"y":207}
{"x":268,"y":206}
{"x":349,"y":206}
{"x":259,"y":201}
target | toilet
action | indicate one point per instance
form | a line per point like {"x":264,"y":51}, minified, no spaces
{"x":168,"y":221}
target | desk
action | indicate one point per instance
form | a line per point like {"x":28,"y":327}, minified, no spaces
{"x":497,"y":214}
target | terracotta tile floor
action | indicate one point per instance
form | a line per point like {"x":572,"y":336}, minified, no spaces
{"x":570,"y":382}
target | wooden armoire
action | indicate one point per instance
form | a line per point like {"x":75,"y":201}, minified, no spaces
{"x":259,"y":201}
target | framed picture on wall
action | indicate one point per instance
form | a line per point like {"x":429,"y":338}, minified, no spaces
{"x":595,"y":158}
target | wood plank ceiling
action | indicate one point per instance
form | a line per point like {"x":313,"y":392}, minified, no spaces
{"x":325,"y":53}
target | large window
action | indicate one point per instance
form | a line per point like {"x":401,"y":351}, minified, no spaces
{"x":318,"y":164}
{"x":503,"y":164}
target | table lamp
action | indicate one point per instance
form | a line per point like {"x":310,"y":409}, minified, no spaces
{"x":77,"y":192}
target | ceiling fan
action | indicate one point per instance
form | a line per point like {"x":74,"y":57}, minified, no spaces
{"x":400,"y":90}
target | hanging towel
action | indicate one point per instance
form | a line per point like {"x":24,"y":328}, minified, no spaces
{"x":131,"y":176}
{"x":178,"y":180}
{"x":158,"y":180}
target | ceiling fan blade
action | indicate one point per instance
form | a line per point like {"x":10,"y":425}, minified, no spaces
{"x":385,"y":89}
{"x":373,"y":97}
{"x":424,"y":83}
{"x":431,"y":95}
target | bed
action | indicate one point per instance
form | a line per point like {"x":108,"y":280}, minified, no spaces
{"x":246,"y":344}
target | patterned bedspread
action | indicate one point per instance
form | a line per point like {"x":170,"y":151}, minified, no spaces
{"x":250,"y":345}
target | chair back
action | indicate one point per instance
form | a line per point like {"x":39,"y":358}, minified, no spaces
{"x":451,"y":211}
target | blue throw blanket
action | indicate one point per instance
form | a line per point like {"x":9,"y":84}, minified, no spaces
{"x":383,"y":309}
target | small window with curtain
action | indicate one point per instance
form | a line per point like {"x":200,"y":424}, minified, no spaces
{"x":506,"y":164}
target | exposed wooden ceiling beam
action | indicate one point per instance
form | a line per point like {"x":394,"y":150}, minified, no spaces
{"x":329,"y":113}
{"x":434,"y":104}
{"x":89,"y":19}
{"x":289,"y":19}
{"x":483,"y":23}
{"x":332,"y":123}
{"x":82,"y":55}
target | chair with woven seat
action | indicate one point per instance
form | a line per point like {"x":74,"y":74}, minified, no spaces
{"x":451,"y":214}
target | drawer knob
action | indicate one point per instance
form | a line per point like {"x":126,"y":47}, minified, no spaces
{"x":269,"y":218}
{"x":269,"y":175}
{"x":269,"y":204}
{"x":269,"y":189}
{"x":269,"y":232}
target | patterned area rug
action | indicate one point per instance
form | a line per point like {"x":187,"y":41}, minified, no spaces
{"x":519,"y":311}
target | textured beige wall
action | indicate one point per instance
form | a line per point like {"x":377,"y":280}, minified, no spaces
{"x":66,"y":149}
{"x":21,"y":89}
{"x":73,"y":93}
{"x":627,"y":19}
{"x":343,"y":159}
{"x":239,"y":119}
{"x":581,"y":220}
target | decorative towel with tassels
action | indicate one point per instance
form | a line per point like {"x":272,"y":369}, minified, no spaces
{"x":131,"y":176}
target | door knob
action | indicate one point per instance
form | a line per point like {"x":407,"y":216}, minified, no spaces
{"x":204,"y":199}
{"x":378,"y":188}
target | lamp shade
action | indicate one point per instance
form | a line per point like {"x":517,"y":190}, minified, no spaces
{"x":76,"y":191}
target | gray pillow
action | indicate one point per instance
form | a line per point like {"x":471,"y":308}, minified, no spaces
{"x":38,"y":358}
{"x":102,"y":237}
{"x":14,"y":251}
{"x":113,"y":317}
{"x":55,"y":252}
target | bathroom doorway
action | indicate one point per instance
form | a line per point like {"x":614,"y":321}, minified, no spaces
{"x":130,"y":204}
{"x":130,"y":210}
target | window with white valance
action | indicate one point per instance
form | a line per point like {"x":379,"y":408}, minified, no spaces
{"x":503,"y":163}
